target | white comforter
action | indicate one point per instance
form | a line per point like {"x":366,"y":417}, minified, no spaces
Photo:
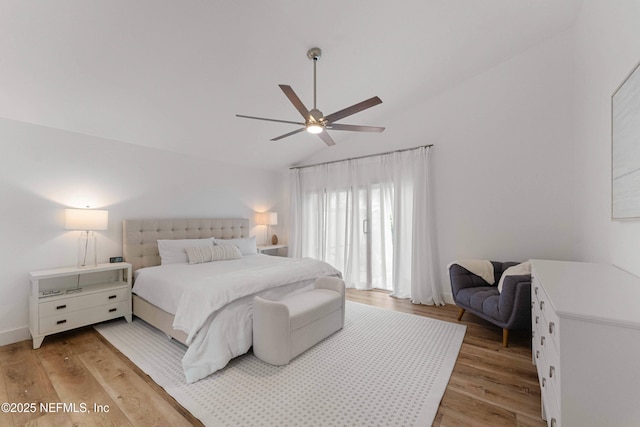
{"x":212,"y":302}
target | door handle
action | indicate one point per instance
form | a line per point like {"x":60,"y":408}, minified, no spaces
{"x":365,"y":223}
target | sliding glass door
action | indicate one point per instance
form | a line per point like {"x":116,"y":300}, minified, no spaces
{"x":356,"y":233}
{"x":376,"y":238}
{"x":369,"y":219}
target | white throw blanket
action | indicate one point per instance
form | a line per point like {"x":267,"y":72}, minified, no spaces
{"x":198,"y":306}
{"x":516,"y":270}
{"x":479,"y":267}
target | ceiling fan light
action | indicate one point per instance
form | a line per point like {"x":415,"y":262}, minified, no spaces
{"x":314,"y":128}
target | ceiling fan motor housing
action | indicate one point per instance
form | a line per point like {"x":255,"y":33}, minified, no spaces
{"x":317,"y":115}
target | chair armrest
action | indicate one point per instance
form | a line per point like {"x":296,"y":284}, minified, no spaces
{"x":515,"y":300}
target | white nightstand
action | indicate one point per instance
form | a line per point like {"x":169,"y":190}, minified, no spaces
{"x":67,"y":298}
{"x":270,"y":249}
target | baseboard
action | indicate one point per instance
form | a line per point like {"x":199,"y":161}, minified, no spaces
{"x":14,"y":335}
{"x":448,"y":298}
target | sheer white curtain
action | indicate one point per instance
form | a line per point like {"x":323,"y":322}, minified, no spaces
{"x":371,"y":219}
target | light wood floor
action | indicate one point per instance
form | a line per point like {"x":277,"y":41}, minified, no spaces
{"x":490,"y":385}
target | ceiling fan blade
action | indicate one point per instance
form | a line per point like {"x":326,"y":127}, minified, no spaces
{"x":269,"y":120}
{"x":326,"y":138}
{"x":295,"y":101}
{"x":353,"y":109}
{"x":287,"y":134}
{"x":356,"y":128}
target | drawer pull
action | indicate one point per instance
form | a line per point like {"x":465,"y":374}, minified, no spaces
{"x":542,"y":340}
{"x":112,"y":296}
{"x":552,"y":370}
{"x":554,"y":423}
{"x":535,"y":290}
{"x":60,"y":322}
{"x":537,"y":354}
{"x":552,"y":326}
{"x":537,"y":319}
{"x":111,"y":310}
{"x":541,"y":305}
{"x":544,"y":381}
{"x":60,"y":307}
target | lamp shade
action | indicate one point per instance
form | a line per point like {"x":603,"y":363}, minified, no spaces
{"x":86,"y":219}
{"x":267,"y":218}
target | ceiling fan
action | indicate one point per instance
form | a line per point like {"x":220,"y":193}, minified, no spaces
{"x":314,"y":121}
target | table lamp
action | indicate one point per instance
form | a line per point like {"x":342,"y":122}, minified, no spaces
{"x":87,"y":221}
{"x":268,"y":219}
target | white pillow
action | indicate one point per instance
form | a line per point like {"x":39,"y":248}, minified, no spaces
{"x":211,"y":253}
{"x":516,"y":270}
{"x":174,"y":251}
{"x":247,"y":245}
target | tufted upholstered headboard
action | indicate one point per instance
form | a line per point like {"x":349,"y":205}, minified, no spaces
{"x":140,"y":236}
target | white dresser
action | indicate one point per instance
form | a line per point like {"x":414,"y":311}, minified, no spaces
{"x":586,"y":343}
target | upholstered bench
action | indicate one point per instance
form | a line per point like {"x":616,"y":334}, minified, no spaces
{"x":285,"y":328}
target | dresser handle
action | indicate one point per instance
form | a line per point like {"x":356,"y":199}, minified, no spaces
{"x":544,"y":381}
{"x":552,"y":371}
{"x":111,"y":310}
{"x":60,"y":322}
{"x":553,"y":422}
{"x":541,"y":305}
{"x":535,"y":290}
{"x":542,"y":340}
{"x":60,"y":307}
{"x":112,"y":296}
{"x":537,"y":354}
{"x":552,"y":326}
{"x":537,"y":319}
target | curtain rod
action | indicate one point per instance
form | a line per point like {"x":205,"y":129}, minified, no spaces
{"x":361,"y":157}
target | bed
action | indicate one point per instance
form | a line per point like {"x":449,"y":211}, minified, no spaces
{"x":208,"y":306}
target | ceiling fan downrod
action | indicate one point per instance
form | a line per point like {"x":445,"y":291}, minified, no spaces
{"x":314,"y":54}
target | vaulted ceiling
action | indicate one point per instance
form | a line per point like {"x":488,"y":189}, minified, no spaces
{"x":172,"y":74}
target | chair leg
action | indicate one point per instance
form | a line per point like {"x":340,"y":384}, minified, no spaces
{"x":460,"y":313}
{"x":505,"y":337}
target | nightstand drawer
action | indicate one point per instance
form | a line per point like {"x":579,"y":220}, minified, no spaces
{"x":75,"y":319}
{"x":80,"y":302}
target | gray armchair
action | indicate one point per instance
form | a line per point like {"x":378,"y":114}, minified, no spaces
{"x":509,"y":310}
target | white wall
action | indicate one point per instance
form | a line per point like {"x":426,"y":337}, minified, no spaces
{"x":607,"y":47}
{"x":503,"y":158}
{"x":43,"y":171}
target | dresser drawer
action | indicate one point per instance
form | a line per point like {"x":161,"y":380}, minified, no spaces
{"x":75,"y":319}
{"x":548,"y":392}
{"x":543,"y":313}
{"x":80,"y":302}
{"x":551,"y":406}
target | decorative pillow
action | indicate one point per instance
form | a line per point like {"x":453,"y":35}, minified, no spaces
{"x":516,"y":270}
{"x":247,"y":245}
{"x":200,"y":254}
{"x":174,"y":251}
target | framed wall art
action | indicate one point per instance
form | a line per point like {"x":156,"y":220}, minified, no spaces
{"x":625,"y":148}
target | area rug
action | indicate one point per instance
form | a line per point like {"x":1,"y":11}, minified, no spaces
{"x":383,"y":368}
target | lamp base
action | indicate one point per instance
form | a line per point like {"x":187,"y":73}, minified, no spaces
{"x":274,"y":240}
{"x":87,"y":255}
